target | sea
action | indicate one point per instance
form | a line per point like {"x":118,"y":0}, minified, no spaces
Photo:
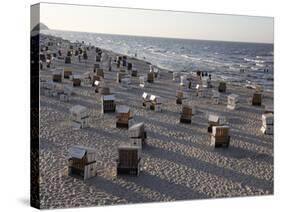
{"x":236,"y":62}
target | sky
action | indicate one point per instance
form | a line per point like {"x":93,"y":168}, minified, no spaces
{"x":155,"y":23}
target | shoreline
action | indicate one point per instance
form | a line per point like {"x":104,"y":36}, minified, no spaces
{"x":220,"y":76}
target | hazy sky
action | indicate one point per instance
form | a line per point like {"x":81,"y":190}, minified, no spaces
{"x":157,"y":23}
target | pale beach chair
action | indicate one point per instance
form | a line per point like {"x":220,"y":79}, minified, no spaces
{"x":142,"y":81}
{"x":80,"y":115}
{"x":220,"y":136}
{"x":146,"y":100}
{"x":213,"y":120}
{"x":233,"y":101}
{"x":82,"y":162}
{"x":267,"y":123}
{"x":136,"y":132}
{"x":156,"y":103}
{"x":215,"y":97}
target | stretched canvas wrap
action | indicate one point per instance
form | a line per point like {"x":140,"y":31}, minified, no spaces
{"x":139,"y":106}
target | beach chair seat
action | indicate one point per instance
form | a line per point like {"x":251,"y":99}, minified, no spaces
{"x":179,"y":101}
{"x":108,"y":104}
{"x":124,"y":118}
{"x":67,"y":72}
{"x":96,"y":66}
{"x":142,"y":81}
{"x":76,"y":80}
{"x":268,"y":109}
{"x":222,"y":87}
{"x":134,"y":73}
{"x":129,"y":66}
{"x":150,"y":77}
{"x":257,"y":99}
{"x":98,"y":58}
{"x":220,"y":136}
{"x":57,"y":75}
{"x":100,"y":72}
{"x":67,"y":60}
{"x":186,"y":115}
{"x":137,"y":131}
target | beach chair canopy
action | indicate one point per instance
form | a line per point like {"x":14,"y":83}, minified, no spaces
{"x":137,"y":127}
{"x":97,"y":83}
{"x":267,"y":118}
{"x":76,"y":76}
{"x":220,"y":131}
{"x":233,"y":97}
{"x":122,"y":109}
{"x":145,"y":95}
{"x":108,"y":98}
{"x":213,"y":118}
{"x":125,"y":149}
{"x":79,"y":152}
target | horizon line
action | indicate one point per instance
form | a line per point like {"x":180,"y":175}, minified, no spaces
{"x":230,"y":41}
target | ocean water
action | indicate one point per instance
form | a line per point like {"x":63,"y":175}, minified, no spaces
{"x":224,"y":60}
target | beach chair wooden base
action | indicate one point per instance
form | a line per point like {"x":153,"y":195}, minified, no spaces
{"x":256,"y":103}
{"x":122,"y":125}
{"x":221,"y":90}
{"x":179,"y":101}
{"x":222,"y":144}
{"x":76,"y":84}
{"x":109,"y":110}
{"x":185,"y":121}
{"x":134,"y":74}
{"x":127,"y":171}
{"x":57,"y":80}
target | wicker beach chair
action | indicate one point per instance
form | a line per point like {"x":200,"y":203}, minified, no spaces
{"x":186,"y":115}
{"x":220,"y":136}
{"x":81,"y":163}
{"x":128,"y":160}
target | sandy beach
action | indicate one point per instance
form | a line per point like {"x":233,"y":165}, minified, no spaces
{"x":177,"y":163}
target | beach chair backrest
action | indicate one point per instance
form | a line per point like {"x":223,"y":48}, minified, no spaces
{"x":128,"y":157}
{"x":187,"y":110}
{"x":221,"y":131}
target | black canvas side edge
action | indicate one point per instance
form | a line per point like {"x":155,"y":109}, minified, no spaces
{"x":34,"y":114}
